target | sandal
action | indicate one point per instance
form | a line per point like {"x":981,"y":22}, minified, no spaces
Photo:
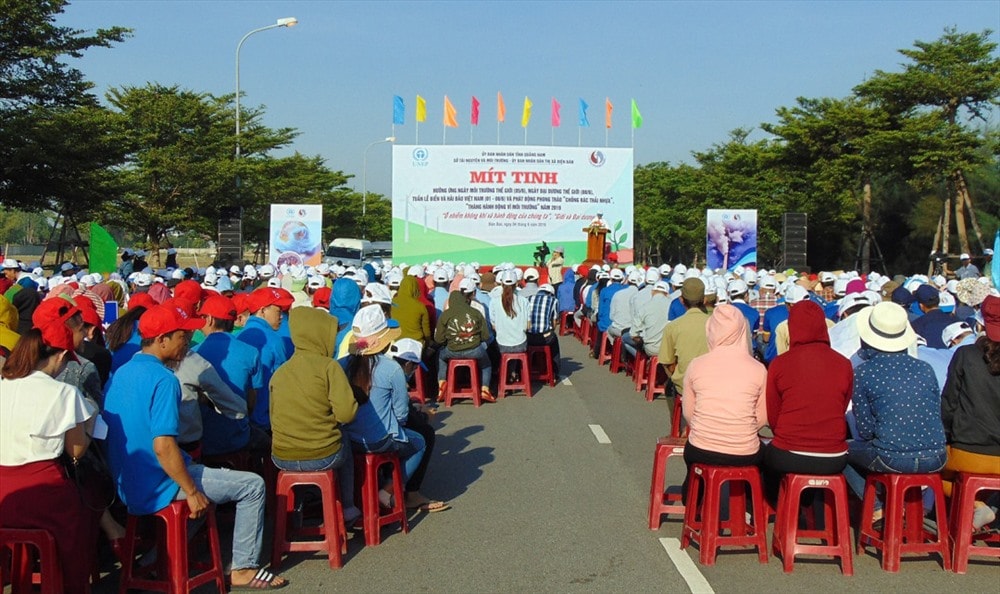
{"x":433,"y":507}
{"x":485,"y":395}
{"x":264,"y":580}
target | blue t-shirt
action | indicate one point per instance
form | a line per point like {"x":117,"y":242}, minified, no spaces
{"x":387,"y":406}
{"x":271,"y":347}
{"x":141,"y":403}
{"x":238,"y":364}
{"x":751,"y":314}
{"x":604,"y":305}
{"x":676,"y":309}
{"x":126,"y":350}
{"x":773,"y":317}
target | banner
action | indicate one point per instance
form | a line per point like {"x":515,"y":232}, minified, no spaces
{"x":499,"y":203}
{"x":296,"y":234}
{"x":731,"y":239}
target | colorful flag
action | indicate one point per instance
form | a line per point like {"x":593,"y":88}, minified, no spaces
{"x":607,"y":112}
{"x":103,"y":250}
{"x":584,"y":122}
{"x":636,"y":116}
{"x":421,"y":109}
{"x":398,"y":109}
{"x":501,"y":108}
{"x":526,"y":114}
{"x":555,"y":113}
{"x":475,"y":111}
{"x":449,"y":114}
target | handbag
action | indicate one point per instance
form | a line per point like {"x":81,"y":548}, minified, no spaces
{"x":92,"y":477}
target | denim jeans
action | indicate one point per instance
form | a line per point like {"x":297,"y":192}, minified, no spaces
{"x":342,"y":461}
{"x":628,"y":343}
{"x":410,"y":452}
{"x":478,"y":353}
{"x":222,"y":485}
{"x":863,"y":458}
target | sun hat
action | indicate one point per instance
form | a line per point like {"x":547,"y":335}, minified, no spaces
{"x":371,"y":332}
{"x":167,"y":318}
{"x":265,"y":296}
{"x":953,"y":331}
{"x":885,"y":327}
{"x":407,"y":349}
{"x":376,"y":293}
{"x":971,"y":292}
{"x":218,"y":306}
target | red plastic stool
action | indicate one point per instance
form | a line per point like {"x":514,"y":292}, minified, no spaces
{"x":417,"y":394}
{"x":837,"y":528}
{"x":23,"y":546}
{"x":585,"y":331}
{"x":620,"y":359}
{"x":653,"y":383}
{"x":332,"y":531}
{"x":640,"y":369}
{"x":172,"y":544}
{"x":903,"y":531}
{"x":367,"y":481}
{"x":564,"y":328}
{"x":542,"y":372}
{"x":966,"y":488}
{"x":676,"y":417}
{"x":523,"y":384}
{"x":661,"y":499}
{"x":702,"y":522}
{"x":451,"y":390}
{"x":604,"y":354}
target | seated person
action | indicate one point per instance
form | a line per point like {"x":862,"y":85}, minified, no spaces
{"x":462,"y":332}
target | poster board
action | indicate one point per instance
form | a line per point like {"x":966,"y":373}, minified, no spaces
{"x":731,"y":239}
{"x":296,"y":234}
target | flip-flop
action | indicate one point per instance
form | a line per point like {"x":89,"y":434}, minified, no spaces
{"x":433,"y":507}
{"x":262,"y":581}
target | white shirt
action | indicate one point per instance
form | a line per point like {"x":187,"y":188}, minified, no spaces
{"x":35,"y":413}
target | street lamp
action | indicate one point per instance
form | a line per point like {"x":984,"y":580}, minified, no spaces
{"x":364,"y":185}
{"x":284,"y":22}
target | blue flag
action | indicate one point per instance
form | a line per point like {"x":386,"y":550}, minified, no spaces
{"x":398,"y":109}
{"x":995,"y":263}
{"x":584,"y":122}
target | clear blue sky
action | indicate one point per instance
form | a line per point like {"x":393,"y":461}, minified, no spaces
{"x":696,"y":69}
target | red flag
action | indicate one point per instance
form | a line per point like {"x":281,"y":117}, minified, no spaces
{"x":501,"y":108}
{"x":607,"y":112}
{"x":475,"y":111}
{"x":555,"y":113}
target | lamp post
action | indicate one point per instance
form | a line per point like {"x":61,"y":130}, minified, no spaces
{"x":364,"y":185}
{"x":283,"y":22}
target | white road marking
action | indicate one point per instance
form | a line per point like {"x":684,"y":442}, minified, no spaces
{"x":686,"y":567}
{"x":599,"y":433}
{"x":566,"y":382}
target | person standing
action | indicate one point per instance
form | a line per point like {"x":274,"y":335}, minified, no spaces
{"x":555,"y":267}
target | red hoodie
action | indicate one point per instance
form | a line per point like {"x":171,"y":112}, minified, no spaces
{"x":809,"y":387}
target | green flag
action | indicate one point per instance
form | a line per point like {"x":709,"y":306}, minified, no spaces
{"x":103,"y":250}
{"x":636,"y":116}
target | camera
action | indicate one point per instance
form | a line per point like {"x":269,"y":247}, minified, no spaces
{"x":541,"y":253}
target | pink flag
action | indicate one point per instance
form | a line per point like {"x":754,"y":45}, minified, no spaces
{"x":555,"y":113}
{"x":475,"y":111}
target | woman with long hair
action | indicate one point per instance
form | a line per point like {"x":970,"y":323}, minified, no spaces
{"x":509,"y":315}
{"x":970,"y":410}
{"x":41,"y":420}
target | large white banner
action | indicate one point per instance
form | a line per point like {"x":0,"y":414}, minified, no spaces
{"x":296,"y":234}
{"x":498,"y":203}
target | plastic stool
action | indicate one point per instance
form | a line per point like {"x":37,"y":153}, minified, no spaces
{"x":620,"y":358}
{"x":604,"y":354}
{"x":172,"y":544}
{"x":653,"y":384}
{"x":676,"y":417}
{"x":564,"y":328}
{"x":333,"y":531}
{"x":903,"y":531}
{"x":20,"y":542}
{"x":702,"y":522}
{"x":368,"y":484}
{"x":544,"y":372}
{"x":417,"y":394}
{"x":661,"y":499}
{"x":451,"y":390}
{"x":585,"y":331}
{"x":640,"y":369}
{"x":837,"y":528}
{"x":966,"y":488}
{"x":524,"y":384}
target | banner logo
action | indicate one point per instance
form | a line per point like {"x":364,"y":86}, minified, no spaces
{"x":597,"y":158}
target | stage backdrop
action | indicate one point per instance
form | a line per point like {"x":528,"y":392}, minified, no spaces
{"x":494,"y":204}
{"x":731,"y":239}
{"x":296,"y":234}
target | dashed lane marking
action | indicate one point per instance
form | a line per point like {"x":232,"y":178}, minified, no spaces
{"x":599,"y":433}
{"x":686,"y":567}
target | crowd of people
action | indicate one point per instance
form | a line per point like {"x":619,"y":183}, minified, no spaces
{"x":171,"y":370}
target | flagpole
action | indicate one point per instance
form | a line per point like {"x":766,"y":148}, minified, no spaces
{"x":633,"y":137}
{"x":579,"y":136}
{"x":605,"y":137}
{"x":525,"y":136}
{"x":471,"y":129}
{"x":553,"y":136}
{"x":416,"y":137}
{"x":498,"y":131}
{"x":444,"y":134}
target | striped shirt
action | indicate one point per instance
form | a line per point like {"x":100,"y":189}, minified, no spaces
{"x":544,"y":309}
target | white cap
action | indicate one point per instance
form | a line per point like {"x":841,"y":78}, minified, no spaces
{"x":547,"y":288}
{"x":468,"y":285}
{"x":267,"y":271}
{"x":850,"y":301}
{"x":375,"y":293}
{"x":249,"y":271}
{"x":964,"y":256}
{"x":407,"y":349}
{"x":953,"y":331}
{"x":795,"y":293}
{"x":826,"y":277}
{"x":316,"y":282}
{"x":531,"y":274}
{"x":661,"y":286}
{"x":11,"y":263}
{"x":273,"y":282}
{"x":177,"y":274}
{"x":652,"y":276}
{"x":416,"y":270}
{"x":507,"y":277}
{"x":617,"y":274}
{"x":736,"y":287}
{"x":635,"y":277}
{"x":143,"y":280}
{"x":440,"y":275}
{"x":767,"y":282}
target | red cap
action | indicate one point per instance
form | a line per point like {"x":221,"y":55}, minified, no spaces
{"x":89,"y":311}
{"x":219,"y":307}
{"x":240,"y":302}
{"x":187,"y":305}
{"x":991,"y":317}
{"x":166,"y":318}
{"x":141,"y":300}
{"x":265,"y":296}
{"x":188,"y":289}
{"x":321,"y":298}
{"x":53,"y":309}
{"x":57,"y":335}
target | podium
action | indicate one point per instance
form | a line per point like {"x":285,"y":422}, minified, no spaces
{"x":595,"y":244}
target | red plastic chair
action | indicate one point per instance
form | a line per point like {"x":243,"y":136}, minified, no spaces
{"x":368,"y":485}
{"x":963,"y":541}
{"x":172,"y":543}
{"x":332,"y":531}
{"x":903,"y":531}
{"x":566,"y":323}
{"x":620,"y":359}
{"x":604,"y":354}
{"x":837,"y":528}
{"x":21,"y":547}
{"x":453,"y":392}
{"x":523,"y":384}
{"x":640,"y":369}
{"x":540,"y":359}
{"x":417,"y":394}
{"x":676,"y":417}
{"x":702,"y":523}
{"x":661,"y":499}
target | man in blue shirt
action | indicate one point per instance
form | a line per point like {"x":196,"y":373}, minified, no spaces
{"x":142,"y":403}
{"x":261,"y":332}
{"x":934,"y":321}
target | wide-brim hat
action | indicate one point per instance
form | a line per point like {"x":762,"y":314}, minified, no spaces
{"x":885,"y":327}
{"x":372,"y":332}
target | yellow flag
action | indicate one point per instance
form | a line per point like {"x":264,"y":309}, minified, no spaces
{"x":526,"y":114}
{"x":421,"y":109}
{"x":449,"y":114}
